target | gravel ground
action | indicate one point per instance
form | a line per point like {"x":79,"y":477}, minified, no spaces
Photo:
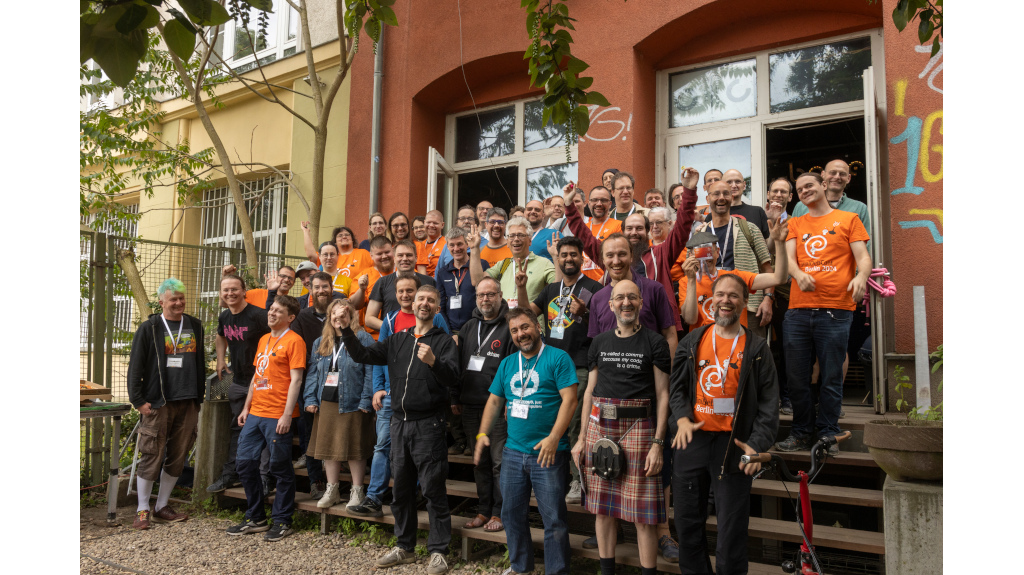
{"x":200,"y":545}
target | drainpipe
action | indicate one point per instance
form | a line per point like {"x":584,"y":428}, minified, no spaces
{"x":378,"y":79}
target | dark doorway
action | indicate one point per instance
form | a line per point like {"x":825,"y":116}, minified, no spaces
{"x":500,"y":186}
{"x":793,"y":150}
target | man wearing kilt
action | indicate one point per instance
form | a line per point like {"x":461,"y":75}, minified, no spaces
{"x":626,"y":402}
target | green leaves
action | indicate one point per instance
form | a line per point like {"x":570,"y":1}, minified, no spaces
{"x":205,"y":12}
{"x":929,"y":15}
{"x":179,"y":39}
{"x":119,"y":56}
{"x":899,"y":14}
{"x":926,"y":27}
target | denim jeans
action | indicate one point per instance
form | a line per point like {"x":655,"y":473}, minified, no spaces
{"x":380,"y":466}
{"x":519,"y":473}
{"x":821,"y":334}
{"x":260,"y":432}
{"x":236,"y":400}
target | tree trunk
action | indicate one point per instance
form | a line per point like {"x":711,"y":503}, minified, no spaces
{"x":126,"y":259}
{"x":316,"y":200}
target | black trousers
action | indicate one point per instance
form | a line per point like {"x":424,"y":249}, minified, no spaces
{"x":778,"y":342}
{"x":487,"y":475}
{"x":419,"y":451}
{"x":236,"y":400}
{"x":696,"y":469}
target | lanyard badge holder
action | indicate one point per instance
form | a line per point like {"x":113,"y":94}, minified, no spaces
{"x":476,"y":361}
{"x":521,"y":409}
{"x":333,"y":376}
{"x":174,"y":360}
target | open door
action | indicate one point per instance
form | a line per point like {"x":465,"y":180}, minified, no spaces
{"x":440,"y":185}
{"x":871,"y":167}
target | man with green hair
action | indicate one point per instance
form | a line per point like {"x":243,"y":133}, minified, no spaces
{"x":166,"y":383}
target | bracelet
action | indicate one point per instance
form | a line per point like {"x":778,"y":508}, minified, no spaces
{"x":479,"y":435}
{"x":657,"y":441}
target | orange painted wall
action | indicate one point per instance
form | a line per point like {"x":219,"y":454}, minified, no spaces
{"x":914,"y":96}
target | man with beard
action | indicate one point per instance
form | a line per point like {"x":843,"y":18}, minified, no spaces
{"x":564,"y":306}
{"x":484,"y":343}
{"x":382,"y":297}
{"x":600,"y":225}
{"x":539,"y":271}
{"x":536,"y":390}
{"x":736,"y":185}
{"x":723,"y":394}
{"x":496,"y":247}
{"x":382,"y":254}
{"x":541,"y":236}
{"x":422,"y":362}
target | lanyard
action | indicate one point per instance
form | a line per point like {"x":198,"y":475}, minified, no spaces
{"x":432,"y":246}
{"x":615,"y":212}
{"x":266,"y":350}
{"x":458,"y":280}
{"x":480,"y":342}
{"x":714,"y":349}
{"x":524,"y":380}
{"x":590,"y":224}
{"x":728,"y":236}
{"x":535,"y":235}
{"x":335,"y":354}
{"x":174,"y":340}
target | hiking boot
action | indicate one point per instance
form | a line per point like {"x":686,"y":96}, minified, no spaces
{"x":794,"y":443}
{"x":141,"y":520}
{"x":457,"y":449}
{"x":355,"y":496}
{"x":300,"y":462}
{"x":222,"y":484}
{"x":331,"y":496}
{"x":278,"y":532}
{"x":575,"y":495}
{"x":397,"y":556}
{"x":437,"y":565}
{"x":367,"y":508}
{"x":319,"y":488}
{"x":668,"y":549}
{"x":168,"y":515}
{"x":248,"y":526}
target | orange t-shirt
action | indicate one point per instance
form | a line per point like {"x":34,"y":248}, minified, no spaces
{"x":353,"y":263}
{"x":706,"y":315}
{"x":427,"y":253}
{"x":374,"y":275}
{"x":256,"y":297}
{"x":823,"y":251}
{"x":676,"y":273}
{"x":709,"y":378}
{"x":600,"y":231}
{"x":494,"y":255}
{"x":275,"y":358}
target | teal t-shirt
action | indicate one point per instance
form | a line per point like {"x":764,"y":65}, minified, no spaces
{"x":554,"y":371}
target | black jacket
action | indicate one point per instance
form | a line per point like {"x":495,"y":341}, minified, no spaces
{"x":147,"y":364}
{"x":417,"y":391}
{"x":756,"y":419}
{"x":473,"y":387}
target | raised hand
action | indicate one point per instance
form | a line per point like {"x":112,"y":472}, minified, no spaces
{"x":689,"y":178}
{"x":473,"y":239}
{"x":777,"y":230}
{"x":364,"y":282}
{"x":569,"y":192}
{"x":553,"y":246}
{"x":272,"y":279}
{"x":521,"y":274}
{"x":690,"y":266}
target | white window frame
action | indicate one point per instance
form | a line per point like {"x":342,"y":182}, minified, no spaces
{"x":520,"y":158}
{"x":667,"y":137}
{"x":268,"y":55}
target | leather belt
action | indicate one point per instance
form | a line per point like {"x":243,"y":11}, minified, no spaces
{"x":612,"y":411}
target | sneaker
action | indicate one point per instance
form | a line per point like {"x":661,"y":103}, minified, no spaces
{"x":437,"y":564}
{"x":668,"y":549}
{"x":168,"y":515}
{"x":368,"y":508}
{"x":355,"y":495}
{"x":468,"y":452}
{"x":331,"y":496}
{"x":300,"y":462}
{"x":318,"y":489}
{"x":222,"y":484}
{"x":141,"y":520}
{"x":787,"y":408}
{"x":794,"y":443}
{"x":509,"y":571}
{"x":248,"y":526}
{"x":457,"y":449}
{"x":278,"y":532}
{"x":575,"y":495}
{"x":397,"y":556}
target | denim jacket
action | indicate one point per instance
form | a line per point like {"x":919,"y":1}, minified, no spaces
{"x":381,"y":379}
{"x":355,"y":388}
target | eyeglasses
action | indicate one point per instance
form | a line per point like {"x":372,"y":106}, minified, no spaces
{"x":399,"y":225}
{"x":467,"y":218}
{"x":496,"y":222}
{"x":487,"y":294}
{"x":601,"y":200}
{"x":518,"y":236}
{"x":632,"y":297}
{"x":286,"y":278}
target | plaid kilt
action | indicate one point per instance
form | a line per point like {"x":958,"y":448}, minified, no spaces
{"x":631,"y":496}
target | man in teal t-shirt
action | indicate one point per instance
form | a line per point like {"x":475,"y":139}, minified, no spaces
{"x":537,"y":387}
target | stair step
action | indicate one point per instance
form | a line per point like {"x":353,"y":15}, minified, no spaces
{"x":851,"y":458}
{"x":856,"y":417}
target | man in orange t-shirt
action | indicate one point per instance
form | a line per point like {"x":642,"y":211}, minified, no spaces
{"x":266,"y":421}
{"x":830,"y":264}
{"x":601,"y":225}
{"x":428,"y":251}
{"x":382,"y":252}
{"x":496,"y":248}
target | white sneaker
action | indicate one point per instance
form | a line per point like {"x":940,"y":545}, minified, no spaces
{"x":300,"y":463}
{"x":575,"y":495}
{"x":331,"y":497}
{"x":356,"y":495}
{"x":437,"y":564}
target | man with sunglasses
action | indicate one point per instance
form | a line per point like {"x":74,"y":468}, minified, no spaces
{"x":601,"y":225}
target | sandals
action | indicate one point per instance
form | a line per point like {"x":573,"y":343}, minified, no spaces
{"x":477,"y":522}
{"x":494,"y":525}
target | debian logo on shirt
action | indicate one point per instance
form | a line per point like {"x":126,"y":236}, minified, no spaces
{"x":531,"y":386}
{"x":814,"y":244}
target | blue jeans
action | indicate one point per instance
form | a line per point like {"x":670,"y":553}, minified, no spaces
{"x":380,"y":467}
{"x":260,"y":432}
{"x":821,"y":334}
{"x":519,"y":473}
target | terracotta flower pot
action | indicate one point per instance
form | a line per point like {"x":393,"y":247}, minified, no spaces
{"x":906,"y":450}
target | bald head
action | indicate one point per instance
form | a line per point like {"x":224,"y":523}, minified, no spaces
{"x":534,"y":213}
{"x":434,"y":222}
{"x":837,"y":177}
{"x":626,"y":303}
{"x":737,"y":185}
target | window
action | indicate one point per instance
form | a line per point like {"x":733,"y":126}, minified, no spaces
{"x":713,"y":94}
{"x":248,"y":43}
{"x":819,"y":75}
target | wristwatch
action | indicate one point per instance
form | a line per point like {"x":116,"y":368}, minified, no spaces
{"x":657,"y":441}
{"x":770,"y":294}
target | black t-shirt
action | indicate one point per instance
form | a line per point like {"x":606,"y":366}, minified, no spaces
{"x":181,"y":381}
{"x":625,"y":365}
{"x":755,"y":216}
{"x":574,"y":341}
{"x":384,"y":292}
{"x":243,"y":332}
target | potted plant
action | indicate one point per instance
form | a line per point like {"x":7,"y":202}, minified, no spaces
{"x":909,"y":448}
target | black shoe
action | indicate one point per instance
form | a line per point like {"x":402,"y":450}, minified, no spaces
{"x":317,"y":490}
{"x":247,"y":527}
{"x":221,"y":484}
{"x":591,"y":542}
{"x":278,"y":532}
{"x":794,"y":443}
{"x":368,"y":508}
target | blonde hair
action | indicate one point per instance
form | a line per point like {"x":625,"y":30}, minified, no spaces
{"x":327,"y":337}
{"x":387,"y":228}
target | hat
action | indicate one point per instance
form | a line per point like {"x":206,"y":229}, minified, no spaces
{"x":701,"y":238}
{"x":306,"y":266}
{"x":612,"y":170}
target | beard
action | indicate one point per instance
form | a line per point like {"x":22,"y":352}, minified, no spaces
{"x":726,"y":321}
{"x":527,"y":344}
{"x":638,"y":250}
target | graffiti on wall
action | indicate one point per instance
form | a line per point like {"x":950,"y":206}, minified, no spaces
{"x":922,"y":139}
{"x":608,"y":124}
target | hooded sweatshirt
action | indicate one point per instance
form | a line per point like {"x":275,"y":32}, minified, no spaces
{"x":477,"y":338}
{"x":147,"y":364}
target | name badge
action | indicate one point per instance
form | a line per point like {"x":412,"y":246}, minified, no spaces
{"x":513,"y":303}
{"x":558,"y":332}
{"x":174,"y":361}
{"x":520,"y":409}
{"x":595,"y":413}
{"x":332,"y":379}
{"x":476,"y":363}
{"x":261,"y":384}
{"x":455,"y":302}
{"x":724,"y":405}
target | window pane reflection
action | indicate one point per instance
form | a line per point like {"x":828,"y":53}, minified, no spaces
{"x":537,"y":136}
{"x":721,"y":155}
{"x":819,"y":75}
{"x":547,"y":181}
{"x":492,"y":136}
{"x":713,"y":94}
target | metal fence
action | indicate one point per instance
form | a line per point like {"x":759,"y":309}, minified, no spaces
{"x":109,"y":316}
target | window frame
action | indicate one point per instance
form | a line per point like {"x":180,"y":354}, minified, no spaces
{"x":281,"y":43}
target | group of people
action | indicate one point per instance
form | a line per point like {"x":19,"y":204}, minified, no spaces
{"x":618,"y":359}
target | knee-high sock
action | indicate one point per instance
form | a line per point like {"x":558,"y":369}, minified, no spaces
{"x":167,"y":483}
{"x":145,"y":489}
